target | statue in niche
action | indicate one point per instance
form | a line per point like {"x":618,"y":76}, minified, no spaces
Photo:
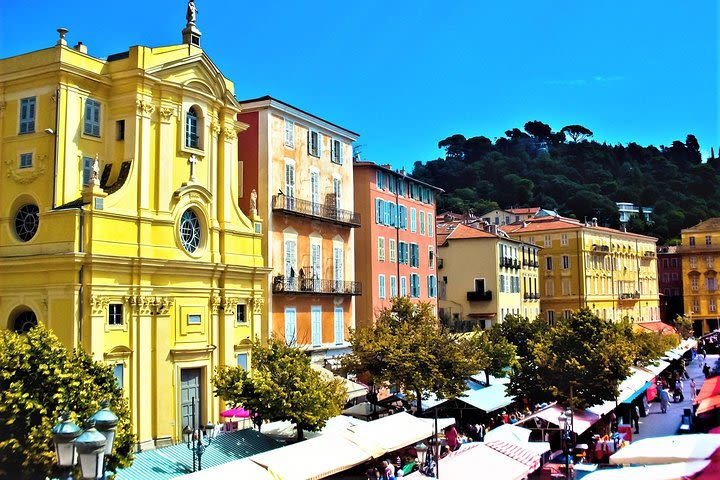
{"x":95,"y":175}
{"x":253,"y":202}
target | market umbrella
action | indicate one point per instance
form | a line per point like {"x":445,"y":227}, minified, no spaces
{"x":669,"y":471}
{"x":238,"y":412}
{"x":715,"y":430}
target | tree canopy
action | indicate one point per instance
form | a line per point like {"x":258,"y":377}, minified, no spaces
{"x":494,"y":352}
{"x":579,"y":177}
{"x":282,"y":386}
{"x":408,"y":348}
{"x":39,"y":379}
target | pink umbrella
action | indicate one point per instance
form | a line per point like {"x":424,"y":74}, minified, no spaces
{"x":238,"y":412}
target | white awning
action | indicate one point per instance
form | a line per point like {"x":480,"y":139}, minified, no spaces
{"x":672,"y":471}
{"x":354,"y":389}
{"x":442,"y":423}
{"x":286,"y":430}
{"x":487,"y":399}
{"x":477,"y":460}
{"x":670,"y":449}
{"x":508,"y":433}
{"x":312,"y":459}
{"x":238,"y":469}
{"x":582,"y":419}
{"x":630,"y":386}
{"x":390,"y":433}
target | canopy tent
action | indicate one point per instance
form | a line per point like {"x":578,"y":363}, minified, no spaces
{"x":487,"y":398}
{"x":365,"y":410}
{"x":237,"y":412}
{"x":286,"y":430}
{"x":517,"y":453}
{"x":354,"y":389}
{"x":658,"y":367}
{"x":708,"y":404}
{"x":238,"y":469}
{"x":671,"y":449}
{"x":637,"y":382}
{"x":582,"y":419}
{"x":508,"y":433}
{"x":389,"y":433}
{"x":672,"y":471}
{"x":316,"y":458}
{"x":442,"y":423}
{"x":710,"y":388}
{"x":477,"y":459}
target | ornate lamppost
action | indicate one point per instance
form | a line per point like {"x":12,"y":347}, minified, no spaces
{"x":198,"y":440}
{"x":565,"y":422}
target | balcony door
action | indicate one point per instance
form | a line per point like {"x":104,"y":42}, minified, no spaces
{"x":189,"y":389}
{"x":289,"y":185}
{"x":480,"y":285}
{"x":316,"y":265}
{"x":315,"y":192}
{"x":291,"y":270}
{"x":338,"y":270}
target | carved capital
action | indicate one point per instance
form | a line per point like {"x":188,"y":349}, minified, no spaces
{"x":257,"y":304}
{"x":166,"y":113}
{"x":229,"y":134}
{"x":214,"y":303}
{"x":163,"y":305}
{"x":229,"y":305}
{"x":145,"y":108}
{"x":215,"y":129}
{"x":141,"y":304}
{"x":98,"y":304}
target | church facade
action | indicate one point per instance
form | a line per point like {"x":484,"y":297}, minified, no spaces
{"x":120,"y":227}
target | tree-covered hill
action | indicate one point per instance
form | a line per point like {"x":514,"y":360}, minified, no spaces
{"x":579,"y":177}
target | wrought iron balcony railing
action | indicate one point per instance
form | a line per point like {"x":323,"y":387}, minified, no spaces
{"x":630,"y":296}
{"x":532,"y":296}
{"x":314,"y":286}
{"x":321,"y":211}
{"x":479,"y":296}
{"x":601,"y":249}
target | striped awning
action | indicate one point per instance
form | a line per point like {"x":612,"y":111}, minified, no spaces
{"x":517,"y":453}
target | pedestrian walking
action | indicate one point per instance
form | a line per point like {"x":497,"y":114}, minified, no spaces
{"x":635,"y":415}
{"x":693,"y":390}
{"x":664,"y":400}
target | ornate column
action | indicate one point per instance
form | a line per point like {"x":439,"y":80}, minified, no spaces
{"x":98,"y":311}
{"x":141,"y":402}
{"x":257,"y":320}
{"x":162,"y":371}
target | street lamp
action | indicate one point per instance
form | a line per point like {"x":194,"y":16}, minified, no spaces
{"x":196,"y":441}
{"x":64,"y":435}
{"x":565,"y":422}
{"x":91,"y":450}
{"x":91,"y":446}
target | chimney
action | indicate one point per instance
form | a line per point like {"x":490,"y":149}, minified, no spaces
{"x":81,"y":48}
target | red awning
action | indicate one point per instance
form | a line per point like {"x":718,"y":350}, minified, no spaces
{"x":657,"y":327}
{"x":710,"y":388}
{"x":708,"y":405}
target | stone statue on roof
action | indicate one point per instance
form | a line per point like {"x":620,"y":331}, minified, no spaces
{"x":191,"y":14}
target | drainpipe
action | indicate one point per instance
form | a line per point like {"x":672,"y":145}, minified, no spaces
{"x":57,"y":145}
{"x":81,"y":276}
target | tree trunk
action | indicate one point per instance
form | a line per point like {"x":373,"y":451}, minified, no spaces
{"x":299,"y":433}
{"x":418,"y":396}
{"x":487,"y":378}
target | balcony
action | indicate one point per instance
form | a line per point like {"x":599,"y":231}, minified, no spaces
{"x":474,"y":296}
{"x":314,"y":286}
{"x":532,"y":296}
{"x":600,"y":249}
{"x":317,"y":211}
{"x":648,"y":255}
{"x":531,"y":263}
{"x":509,"y":263}
{"x":630,"y":296}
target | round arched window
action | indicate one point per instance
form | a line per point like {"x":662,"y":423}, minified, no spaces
{"x":24,"y":322}
{"x":26,"y":222}
{"x":190,"y":230}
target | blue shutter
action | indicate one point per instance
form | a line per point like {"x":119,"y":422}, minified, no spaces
{"x":290,"y":326}
{"x":339,"y":326}
{"x":316,"y":314}
{"x":378,"y":210}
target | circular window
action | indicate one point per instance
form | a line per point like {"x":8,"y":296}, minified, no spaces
{"x":26,"y":222}
{"x":190,"y":230}
{"x":24,"y":322}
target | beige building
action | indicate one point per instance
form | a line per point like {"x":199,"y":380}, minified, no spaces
{"x":484,"y":276}
{"x":611,"y":272}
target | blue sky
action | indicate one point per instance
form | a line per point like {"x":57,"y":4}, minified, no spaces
{"x":407,"y":74}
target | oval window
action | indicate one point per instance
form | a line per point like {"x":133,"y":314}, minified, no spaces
{"x":27,"y":220}
{"x":190,"y":230}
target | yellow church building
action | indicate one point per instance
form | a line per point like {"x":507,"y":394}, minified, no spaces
{"x":120,"y":225}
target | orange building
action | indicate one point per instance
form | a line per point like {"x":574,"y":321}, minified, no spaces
{"x":395,"y":249}
{"x":298,"y":174}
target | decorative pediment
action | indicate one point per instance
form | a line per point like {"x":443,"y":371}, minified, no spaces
{"x":118,"y":352}
{"x":194,"y":192}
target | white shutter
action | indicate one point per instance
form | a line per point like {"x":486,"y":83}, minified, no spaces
{"x":319,"y":144}
{"x":339,"y":326}
{"x":309,"y":142}
{"x":290,"y":326}
{"x":338,"y":268}
{"x":341,"y":154}
{"x":316,"y":314}
{"x":290,"y":258}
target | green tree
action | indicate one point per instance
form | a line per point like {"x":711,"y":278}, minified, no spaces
{"x":684,"y":326}
{"x":39,"y":379}
{"x":576,"y":132}
{"x":282,"y":385}
{"x":407,"y":347}
{"x":538,"y":129}
{"x":521,"y":332}
{"x":648,"y":345}
{"x":495,"y":353}
{"x":580,"y":360}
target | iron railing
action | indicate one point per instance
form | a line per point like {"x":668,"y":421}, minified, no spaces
{"x":600,"y":249}
{"x":283,"y":284}
{"x":479,"y":296}
{"x":630,"y":296}
{"x":322,"y":211}
{"x":532,"y":296}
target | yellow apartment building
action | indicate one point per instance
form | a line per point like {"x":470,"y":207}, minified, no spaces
{"x":611,"y":272}
{"x":700,"y":251}
{"x":120,"y":228}
{"x":484,"y":276}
